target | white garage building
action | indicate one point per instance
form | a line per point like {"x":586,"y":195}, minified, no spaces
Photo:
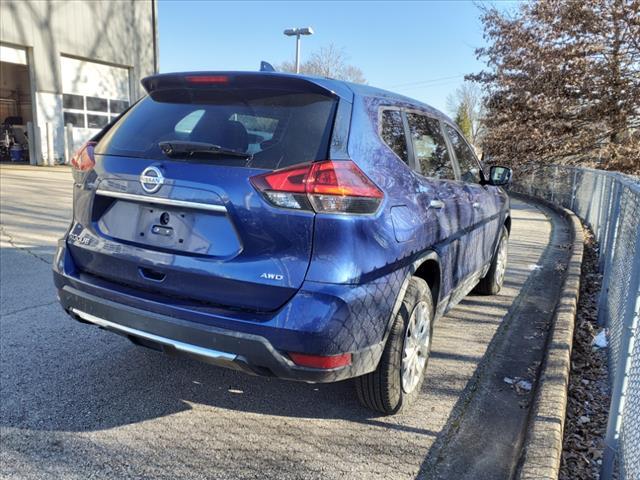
{"x":68,"y":67}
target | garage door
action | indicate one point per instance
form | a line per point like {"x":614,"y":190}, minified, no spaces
{"x":15,"y":85}
{"x":93,"y":95}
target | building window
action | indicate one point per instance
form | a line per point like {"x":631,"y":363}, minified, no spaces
{"x":75,"y":119}
{"x":118,"y":106}
{"x":75,"y":102}
{"x":97,"y":104}
{"x":97,"y":121}
{"x":91,"y":112}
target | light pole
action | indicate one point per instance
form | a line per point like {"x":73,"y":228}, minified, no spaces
{"x":296,"y":32}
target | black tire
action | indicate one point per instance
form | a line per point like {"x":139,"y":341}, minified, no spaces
{"x":492,"y":282}
{"x":382,"y":390}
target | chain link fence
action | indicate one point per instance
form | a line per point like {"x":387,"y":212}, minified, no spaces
{"x":610,"y":204}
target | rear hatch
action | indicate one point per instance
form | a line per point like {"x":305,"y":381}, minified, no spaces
{"x":174,"y":210}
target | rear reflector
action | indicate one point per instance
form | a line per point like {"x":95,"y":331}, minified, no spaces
{"x":320,"y":361}
{"x":326,"y":187}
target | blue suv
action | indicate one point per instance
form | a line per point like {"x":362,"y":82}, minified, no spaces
{"x":283,"y":225}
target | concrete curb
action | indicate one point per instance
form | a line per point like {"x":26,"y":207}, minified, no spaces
{"x":543,"y":444}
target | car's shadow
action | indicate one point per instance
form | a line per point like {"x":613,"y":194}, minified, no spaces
{"x":112,"y":382}
{"x":61,"y":375}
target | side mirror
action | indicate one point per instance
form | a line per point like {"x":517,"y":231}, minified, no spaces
{"x":499,"y":176}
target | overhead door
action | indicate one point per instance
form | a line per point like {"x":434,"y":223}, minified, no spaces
{"x":16,"y":104}
{"x":93,"y":95}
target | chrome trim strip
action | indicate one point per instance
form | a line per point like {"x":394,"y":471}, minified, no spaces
{"x":181,"y":346}
{"x":161,"y":201}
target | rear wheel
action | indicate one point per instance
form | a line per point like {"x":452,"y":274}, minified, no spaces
{"x":492,"y":282}
{"x":396,"y":383}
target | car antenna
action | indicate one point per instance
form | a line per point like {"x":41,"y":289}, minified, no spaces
{"x":266,"y":67}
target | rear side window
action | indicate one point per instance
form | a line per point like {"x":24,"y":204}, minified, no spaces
{"x":469,"y":167}
{"x":278,"y":128}
{"x":429,"y":146}
{"x":392,"y":133}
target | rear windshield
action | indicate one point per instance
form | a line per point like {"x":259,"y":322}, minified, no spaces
{"x":277,"y":128}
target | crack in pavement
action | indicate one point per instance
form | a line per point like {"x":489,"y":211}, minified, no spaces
{"x":11,"y":241}
{"x":20,"y":310}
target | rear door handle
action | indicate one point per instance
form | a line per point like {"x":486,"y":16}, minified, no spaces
{"x":437,"y":204}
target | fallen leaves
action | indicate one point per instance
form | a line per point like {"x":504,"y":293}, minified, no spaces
{"x":588,"y":403}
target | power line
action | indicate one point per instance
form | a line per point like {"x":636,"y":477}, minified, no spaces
{"x":428,"y":85}
{"x":422,"y":82}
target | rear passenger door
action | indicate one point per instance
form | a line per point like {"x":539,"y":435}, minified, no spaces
{"x":446,"y":200}
{"x":486,"y":200}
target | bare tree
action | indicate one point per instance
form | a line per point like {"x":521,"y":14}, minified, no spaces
{"x":562,"y":83}
{"x":329,"y":61}
{"x":466,"y":106}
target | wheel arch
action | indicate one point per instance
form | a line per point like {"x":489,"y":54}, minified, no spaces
{"x":507,"y":223}
{"x":428,"y":267}
{"x":429,"y":270}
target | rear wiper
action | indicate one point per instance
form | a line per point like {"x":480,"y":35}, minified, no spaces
{"x":179,"y":147}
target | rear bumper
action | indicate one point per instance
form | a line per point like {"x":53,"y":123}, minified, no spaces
{"x":329,"y":321}
{"x":239,"y":351}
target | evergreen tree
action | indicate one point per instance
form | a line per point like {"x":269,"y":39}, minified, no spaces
{"x":464,"y":121}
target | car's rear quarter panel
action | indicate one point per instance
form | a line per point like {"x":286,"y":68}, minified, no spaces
{"x":405,"y":228}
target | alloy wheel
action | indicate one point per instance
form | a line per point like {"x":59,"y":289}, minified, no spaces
{"x":416,"y":347}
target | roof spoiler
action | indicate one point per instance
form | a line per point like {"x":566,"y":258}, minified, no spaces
{"x":239,"y":80}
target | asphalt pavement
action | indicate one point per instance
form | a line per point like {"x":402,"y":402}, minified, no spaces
{"x":78,"y":402}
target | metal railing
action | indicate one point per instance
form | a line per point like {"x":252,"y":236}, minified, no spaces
{"x":610,"y":204}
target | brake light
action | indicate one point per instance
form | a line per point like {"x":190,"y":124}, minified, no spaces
{"x":340,"y":178}
{"x":326,"y":187}
{"x":207,"y":79}
{"x":292,"y":180}
{"x":321,"y":361}
{"x":84,"y":160}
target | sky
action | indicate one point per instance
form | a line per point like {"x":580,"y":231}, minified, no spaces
{"x":419,"y":49}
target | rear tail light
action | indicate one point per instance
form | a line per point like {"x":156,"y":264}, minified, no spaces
{"x":83,"y":160}
{"x":321,"y":361}
{"x":326,"y":187}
